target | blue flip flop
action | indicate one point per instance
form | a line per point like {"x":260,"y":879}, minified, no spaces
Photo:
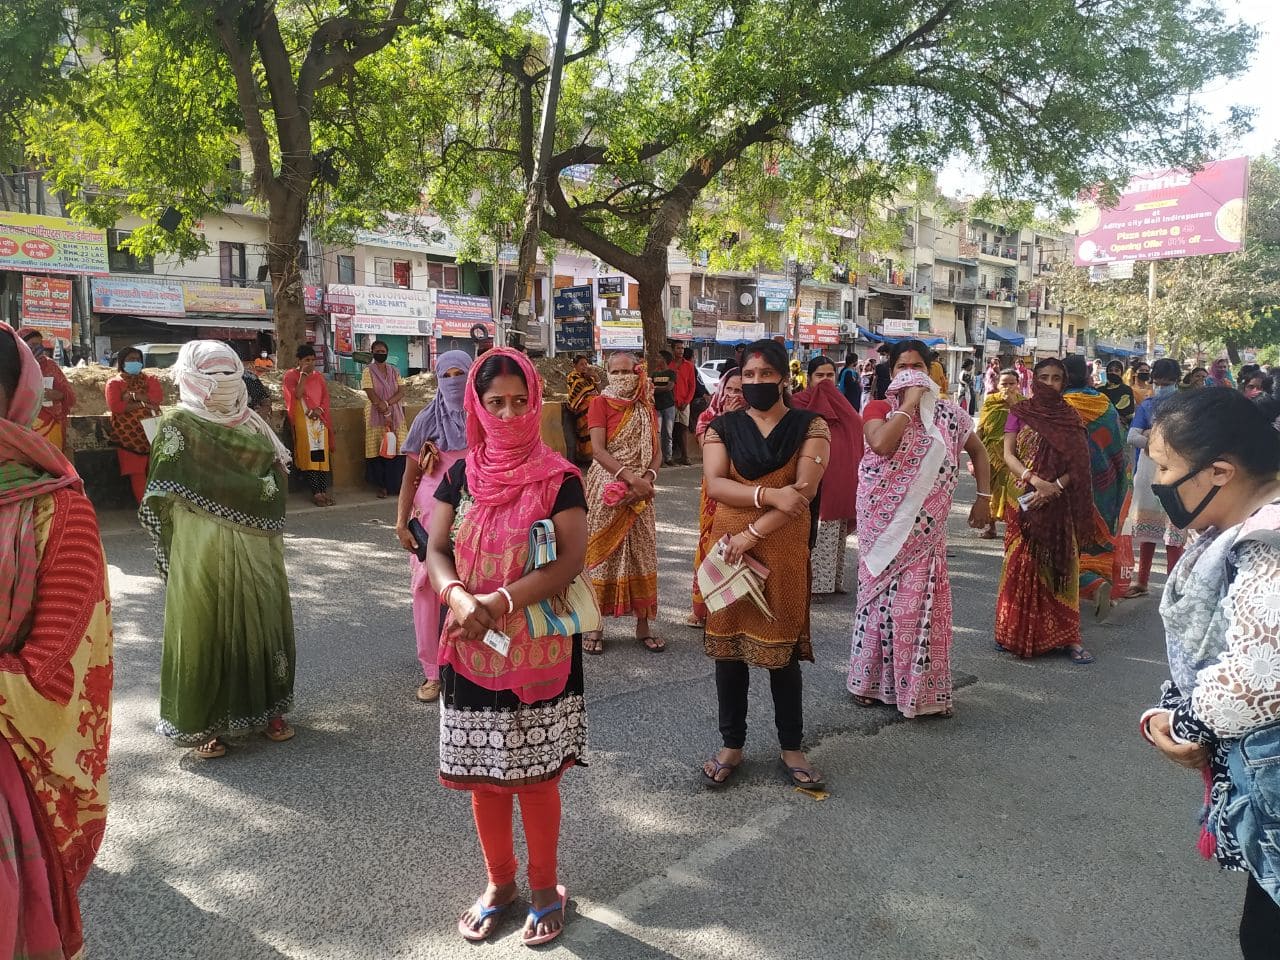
{"x":473,"y":934}
{"x":536,"y":916}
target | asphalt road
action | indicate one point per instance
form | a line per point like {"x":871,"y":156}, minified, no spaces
{"x":1033,"y":824}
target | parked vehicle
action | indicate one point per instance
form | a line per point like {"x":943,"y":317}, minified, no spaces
{"x":710,"y":371}
{"x":159,"y":355}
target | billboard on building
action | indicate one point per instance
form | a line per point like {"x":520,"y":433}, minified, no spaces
{"x":138,"y":296}
{"x":36,"y":244}
{"x":1162,"y":216}
{"x":621,"y":330}
{"x":46,"y":305}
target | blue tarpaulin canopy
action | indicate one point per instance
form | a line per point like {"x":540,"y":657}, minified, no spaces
{"x":1117,"y":351}
{"x":881,"y":338}
{"x":1011,"y":337}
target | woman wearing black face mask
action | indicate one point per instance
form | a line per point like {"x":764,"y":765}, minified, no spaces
{"x":762,"y":466}
{"x":1217,"y":458}
{"x":1119,"y":393}
{"x":383,"y":420}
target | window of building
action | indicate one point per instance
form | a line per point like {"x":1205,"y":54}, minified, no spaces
{"x":392,"y":273}
{"x":677,"y":295}
{"x":442,"y":276}
{"x":304,"y":255}
{"x":1071,"y":330}
{"x":120,"y":260}
{"x":232,"y":264}
{"x":346,"y":268}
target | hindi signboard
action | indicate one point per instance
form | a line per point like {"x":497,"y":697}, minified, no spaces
{"x":215,"y":298}
{"x":573,"y":302}
{"x":457,"y":313}
{"x":138,"y":296}
{"x":899,"y":326}
{"x":823,"y":329}
{"x":574,"y":336}
{"x":46,"y":305}
{"x":735,"y":331}
{"x":36,"y":244}
{"x":1161,"y":216}
{"x":774,"y":288}
{"x":706,"y":305}
{"x":390,"y":311}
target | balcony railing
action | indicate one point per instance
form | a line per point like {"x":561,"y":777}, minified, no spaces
{"x":998,"y":294}
{"x":955,"y":291}
{"x":1001,"y":250}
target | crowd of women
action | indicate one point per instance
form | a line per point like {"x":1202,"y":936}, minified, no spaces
{"x":519,"y":560}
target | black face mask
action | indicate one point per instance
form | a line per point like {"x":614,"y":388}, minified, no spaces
{"x":1113,"y":378}
{"x":761,"y":396}
{"x":1144,"y":377}
{"x":379,"y":358}
{"x":1179,"y":515}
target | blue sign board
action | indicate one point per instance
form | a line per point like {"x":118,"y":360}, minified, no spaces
{"x":573,"y":301}
{"x":575,"y":337}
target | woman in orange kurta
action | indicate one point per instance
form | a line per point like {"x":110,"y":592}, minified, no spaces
{"x":132,"y":397}
{"x":622,"y":549}
{"x":59,"y":398}
{"x":306,"y":404}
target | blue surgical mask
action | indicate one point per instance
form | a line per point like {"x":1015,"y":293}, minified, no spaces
{"x":133,"y":367}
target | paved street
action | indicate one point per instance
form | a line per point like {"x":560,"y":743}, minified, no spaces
{"x":1034,"y":824}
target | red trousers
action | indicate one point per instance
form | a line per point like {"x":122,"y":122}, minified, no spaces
{"x":540,"y":810}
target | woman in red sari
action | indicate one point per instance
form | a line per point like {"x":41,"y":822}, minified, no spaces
{"x":306,"y":405}
{"x":58,"y":398}
{"x":132,"y":397}
{"x":1046,"y":449}
{"x":55,"y":677}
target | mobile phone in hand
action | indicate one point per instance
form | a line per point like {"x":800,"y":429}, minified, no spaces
{"x":420,"y":538}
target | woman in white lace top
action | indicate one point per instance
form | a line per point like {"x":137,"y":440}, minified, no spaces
{"x":1217,"y":458}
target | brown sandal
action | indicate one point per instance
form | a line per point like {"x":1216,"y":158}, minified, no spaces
{"x":212,"y":750}
{"x":653,"y":644}
{"x":278,"y":730}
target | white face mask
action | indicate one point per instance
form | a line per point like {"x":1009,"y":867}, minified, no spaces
{"x":263,"y":354}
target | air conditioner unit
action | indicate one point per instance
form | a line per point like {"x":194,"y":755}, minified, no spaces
{"x":848,"y":328}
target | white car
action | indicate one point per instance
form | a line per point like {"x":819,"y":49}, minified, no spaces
{"x":711,"y":371}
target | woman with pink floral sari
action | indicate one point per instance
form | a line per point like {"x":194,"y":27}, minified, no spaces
{"x":902,"y":624}
{"x":55,"y":676}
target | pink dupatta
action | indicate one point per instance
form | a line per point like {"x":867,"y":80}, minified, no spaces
{"x":513,"y":478}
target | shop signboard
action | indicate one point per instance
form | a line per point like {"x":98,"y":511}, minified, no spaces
{"x":1168,"y":214}
{"x":35,"y":244}
{"x":389,"y":311}
{"x":457,"y":313}
{"x":215,"y":298}
{"x":680,"y":323}
{"x":899,"y":326}
{"x":575,"y":336}
{"x":775,"y":304}
{"x":573,"y":302}
{"x":774,"y":288}
{"x":735,"y":331}
{"x":706,"y":305}
{"x":138,"y":296}
{"x":823,"y":329}
{"x":344,"y":337}
{"x":621,"y":330}
{"x":46,"y":305}
{"x":609,"y":288}
{"x":312,"y":299}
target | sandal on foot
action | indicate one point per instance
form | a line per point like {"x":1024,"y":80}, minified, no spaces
{"x":710,"y":779}
{"x":793,"y":774}
{"x":1080,"y":656}
{"x":597,"y":645}
{"x":694,"y":621}
{"x":865,"y":701}
{"x":319,"y":500}
{"x":478,"y":933}
{"x":653,"y":644}
{"x":212,"y":750}
{"x":429,"y":692}
{"x":278,"y":730}
{"x":537,"y":916}
{"x":1136,"y":591}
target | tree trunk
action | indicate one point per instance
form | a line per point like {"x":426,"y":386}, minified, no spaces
{"x":286,"y":284}
{"x":527,"y":266}
{"x":1233,"y":352}
{"x":652,"y":281}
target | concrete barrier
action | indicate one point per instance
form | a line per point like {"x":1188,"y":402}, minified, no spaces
{"x":98,"y":465}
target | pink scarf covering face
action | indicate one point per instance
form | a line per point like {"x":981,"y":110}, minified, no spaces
{"x":513,"y":478}
{"x":29,"y":466}
{"x":386,"y":381}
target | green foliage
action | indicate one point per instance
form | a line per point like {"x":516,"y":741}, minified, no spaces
{"x":34,"y":38}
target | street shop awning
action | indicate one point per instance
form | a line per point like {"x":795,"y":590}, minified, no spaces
{"x":1116,"y":350}
{"x":1011,"y":337}
{"x":230,"y":321}
{"x":881,"y":338}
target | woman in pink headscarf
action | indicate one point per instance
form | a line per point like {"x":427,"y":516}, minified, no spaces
{"x":512,"y":712}
{"x":55,"y":676}
{"x":902,"y":624}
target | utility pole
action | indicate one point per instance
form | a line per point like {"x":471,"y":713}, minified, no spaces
{"x":536,"y":189}
{"x":1151,"y":308}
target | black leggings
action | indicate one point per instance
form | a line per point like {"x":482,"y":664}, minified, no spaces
{"x":317,"y":481}
{"x":733,"y":681}
{"x":1259,"y":924}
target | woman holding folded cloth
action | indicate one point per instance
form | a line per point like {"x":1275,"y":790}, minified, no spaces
{"x":512,"y":715}
{"x":762,"y":466}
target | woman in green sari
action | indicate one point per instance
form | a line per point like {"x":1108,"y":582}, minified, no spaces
{"x":214,"y":506}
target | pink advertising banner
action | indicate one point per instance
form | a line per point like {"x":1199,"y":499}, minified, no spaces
{"x":1162,"y":216}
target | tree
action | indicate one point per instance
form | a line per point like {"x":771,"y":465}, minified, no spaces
{"x":34,"y":36}
{"x":179,"y":83}
{"x":1228,"y":299}
{"x":665,"y":100}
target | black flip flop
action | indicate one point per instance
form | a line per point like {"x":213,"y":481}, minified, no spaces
{"x":797,"y":782}
{"x":710,"y":779}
